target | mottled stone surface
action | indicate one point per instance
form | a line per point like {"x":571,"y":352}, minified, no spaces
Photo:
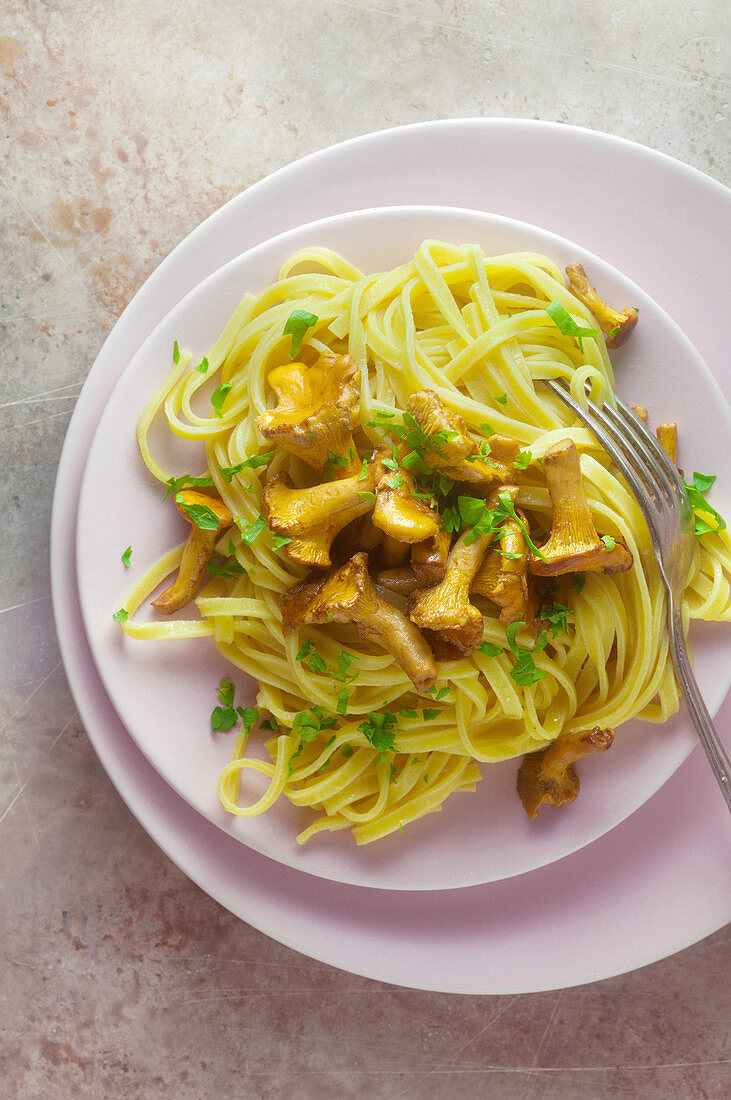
{"x":124,"y":125}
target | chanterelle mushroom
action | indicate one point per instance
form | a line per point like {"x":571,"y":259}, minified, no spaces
{"x":311,"y":518}
{"x":615,"y":326}
{"x":348,"y":595}
{"x":397,"y":512}
{"x":429,"y":558}
{"x":547,"y":777}
{"x":452,"y":450}
{"x":573,"y":545}
{"x":198,"y":549}
{"x":503,"y":577}
{"x":316,"y":413}
{"x":454,"y":625}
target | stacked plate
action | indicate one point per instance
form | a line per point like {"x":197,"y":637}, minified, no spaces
{"x":475,"y":899}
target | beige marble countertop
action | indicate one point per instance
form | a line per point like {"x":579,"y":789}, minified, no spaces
{"x":124,"y":125}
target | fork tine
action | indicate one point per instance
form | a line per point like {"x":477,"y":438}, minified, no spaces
{"x":658,"y":453}
{"x":638,"y":445}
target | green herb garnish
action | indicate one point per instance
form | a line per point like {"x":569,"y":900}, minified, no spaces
{"x":120,"y":616}
{"x":126,"y":557}
{"x":297,"y":325}
{"x":568,"y":326}
{"x":696,"y":495}
{"x":200,"y":514}
{"x":218,"y":397}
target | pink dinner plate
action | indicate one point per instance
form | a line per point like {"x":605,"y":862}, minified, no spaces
{"x":164,"y":691}
{"x":657,"y":882}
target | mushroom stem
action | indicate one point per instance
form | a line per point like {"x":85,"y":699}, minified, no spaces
{"x":503,"y":577}
{"x":197,"y":552}
{"x":348,"y":595}
{"x":573,"y":544}
{"x":547,"y":777}
{"x":616,"y":326}
{"x":445,"y":609}
{"x":667,"y":437}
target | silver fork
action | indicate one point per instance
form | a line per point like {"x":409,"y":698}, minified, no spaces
{"x":664,"y":503}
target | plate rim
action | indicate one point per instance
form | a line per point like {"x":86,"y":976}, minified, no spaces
{"x":87,"y":693}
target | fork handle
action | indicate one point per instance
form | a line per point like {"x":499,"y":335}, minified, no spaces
{"x":714,"y":750}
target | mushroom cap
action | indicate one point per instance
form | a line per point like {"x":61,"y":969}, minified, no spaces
{"x":311,"y":518}
{"x":548,"y":778}
{"x":316,"y":413}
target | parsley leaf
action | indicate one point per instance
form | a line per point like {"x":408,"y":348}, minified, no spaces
{"x":696,"y":495}
{"x":502,"y":399}
{"x":224,"y":717}
{"x":438,"y":693}
{"x":430,"y":714}
{"x":252,"y":530}
{"x":578,"y":580}
{"x":120,"y":616}
{"x":201,"y":515}
{"x":126,"y":557}
{"x":523,"y":460}
{"x":333,"y":460}
{"x":278,"y":541}
{"x":489,"y":649}
{"x":568,"y":326}
{"x":176,"y":353}
{"x":343,"y":700}
{"x":297,"y":325}
{"x":228,"y":472}
{"x":218,"y":397}
{"x":186,"y":481}
{"x":556,"y":616}
{"x":380,"y":729}
{"x":609,"y":542}
{"x":203,"y":366}
{"x":227,"y":570}
{"x":367,"y":496}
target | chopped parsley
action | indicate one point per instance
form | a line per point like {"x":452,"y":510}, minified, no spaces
{"x":523,"y":460}
{"x":524,"y":670}
{"x":343,"y":700}
{"x":371,"y":497}
{"x":333,"y":460}
{"x":120,"y":616}
{"x":218,"y":397}
{"x":701,"y":508}
{"x":278,"y":541}
{"x":609,"y":542}
{"x":489,"y":649}
{"x":251,"y":531}
{"x":555,"y":616}
{"x":227,"y":570}
{"x":438,"y":693}
{"x":224,"y":716}
{"x":430,"y":714}
{"x":203,"y":365}
{"x":297,"y":325}
{"x":253,"y":462}
{"x":126,"y":557}
{"x":502,"y":399}
{"x":176,"y":353}
{"x":175,"y":484}
{"x":578,"y":580}
{"x":568,"y":326}
{"x":308,"y":723}
{"x":200,"y":514}
{"x":380,"y":729}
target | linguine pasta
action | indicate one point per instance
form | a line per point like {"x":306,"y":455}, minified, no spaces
{"x":350,"y":738}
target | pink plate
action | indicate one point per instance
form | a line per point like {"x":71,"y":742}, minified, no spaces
{"x":164,"y":691}
{"x":659,"y":881}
